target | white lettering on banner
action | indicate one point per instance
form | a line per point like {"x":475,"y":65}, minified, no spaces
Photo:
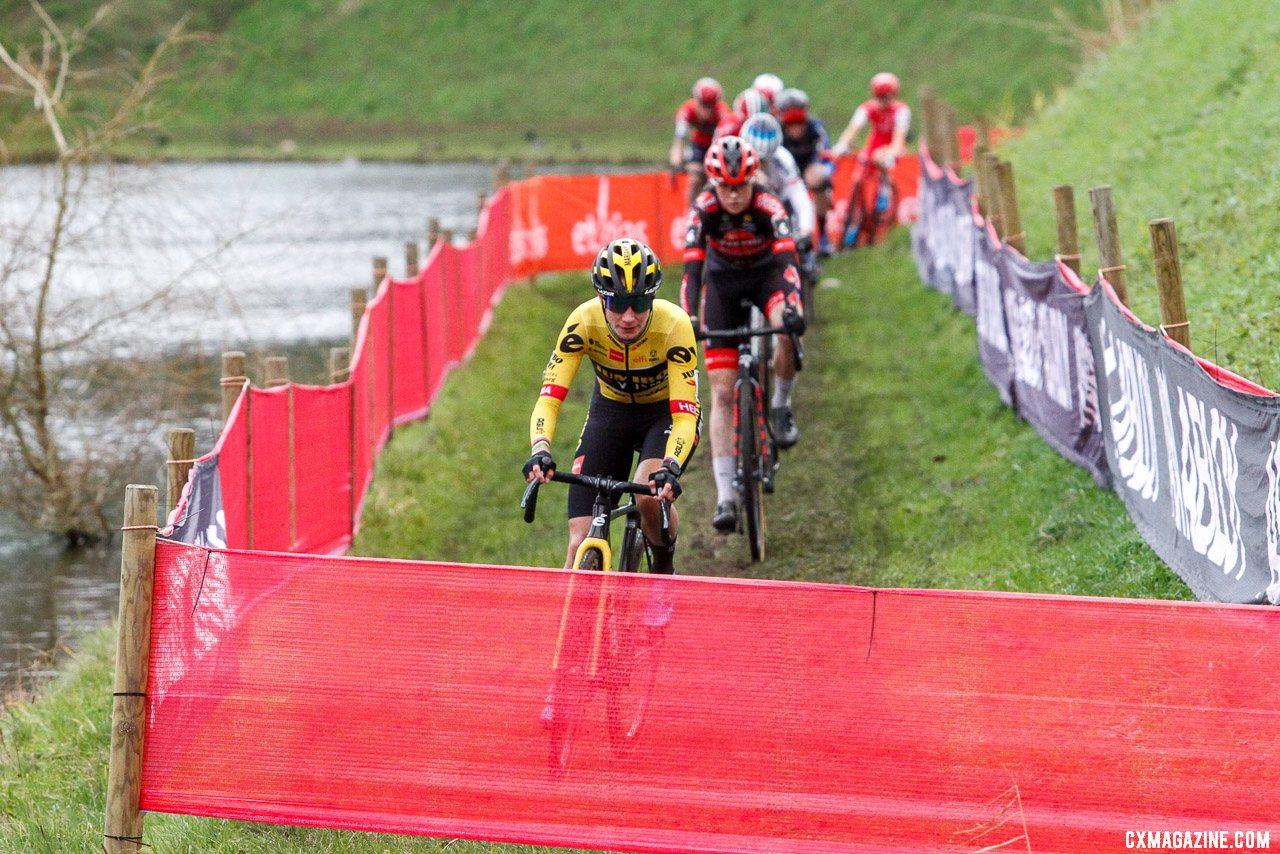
{"x":1020,"y":317}
{"x":1197,"y":840}
{"x":1273,"y":522}
{"x":1132,"y":420}
{"x":1041,"y":346}
{"x":1205,"y":509}
{"x":528,"y":240}
{"x":595,"y":230}
{"x":1086,"y":381}
{"x":990,"y":313}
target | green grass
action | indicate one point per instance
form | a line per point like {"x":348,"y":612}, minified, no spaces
{"x":586,"y":81}
{"x":1177,"y":122}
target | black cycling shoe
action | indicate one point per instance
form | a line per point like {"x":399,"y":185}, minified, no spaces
{"x":725,"y":519}
{"x":785,"y":431}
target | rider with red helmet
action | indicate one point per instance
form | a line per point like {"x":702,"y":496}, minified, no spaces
{"x":888,"y":118}
{"x":696,"y":123}
{"x":739,"y":238}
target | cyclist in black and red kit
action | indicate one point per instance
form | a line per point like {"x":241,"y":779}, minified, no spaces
{"x":739,"y":237}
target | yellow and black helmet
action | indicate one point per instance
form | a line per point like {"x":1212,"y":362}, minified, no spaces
{"x":627,"y":273}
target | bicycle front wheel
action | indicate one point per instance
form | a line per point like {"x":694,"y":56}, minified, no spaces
{"x":571,"y":682}
{"x":751,"y":438}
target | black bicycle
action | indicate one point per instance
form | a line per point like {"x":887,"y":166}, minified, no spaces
{"x":755,"y":451}
{"x":607,"y":638}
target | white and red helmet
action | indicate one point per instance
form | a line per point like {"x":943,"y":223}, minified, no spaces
{"x":707,"y":90}
{"x":884,"y":85}
{"x":768,"y":85}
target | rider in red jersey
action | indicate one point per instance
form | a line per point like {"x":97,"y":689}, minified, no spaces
{"x":740,"y":238}
{"x":696,"y":123}
{"x":888,"y":118}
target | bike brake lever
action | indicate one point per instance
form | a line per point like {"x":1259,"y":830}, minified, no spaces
{"x":799,"y":351}
{"x":529,"y":503}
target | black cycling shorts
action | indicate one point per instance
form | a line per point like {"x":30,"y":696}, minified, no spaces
{"x":725,"y":291}
{"x":611,"y":437}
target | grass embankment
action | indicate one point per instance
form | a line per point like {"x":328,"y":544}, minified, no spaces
{"x":1178,"y":121}
{"x":564,"y":79}
{"x":910,"y":473}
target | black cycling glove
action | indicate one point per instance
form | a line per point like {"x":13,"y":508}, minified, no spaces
{"x":667,"y":473}
{"x":793,"y":321}
{"x":543,"y":460}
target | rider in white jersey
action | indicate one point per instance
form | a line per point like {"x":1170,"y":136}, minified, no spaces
{"x":782,"y":177}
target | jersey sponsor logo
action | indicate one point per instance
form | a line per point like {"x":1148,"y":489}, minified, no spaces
{"x":604,"y":226}
{"x":577,"y":465}
{"x":684,"y":406}
{"x":680,"y":355}
{"x":559,"y":392}
{"x":634,"y":381}
{"x":572,"y":342}
{"x":616,"y":355}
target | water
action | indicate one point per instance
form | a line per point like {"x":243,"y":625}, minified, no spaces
{"x":256,"y":256}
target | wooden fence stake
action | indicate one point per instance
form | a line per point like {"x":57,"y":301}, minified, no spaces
{"x":1064,"y":205}
{"x":1104,"y":227}
{"x":123,"y":830}
{"x":433,"y":232}
{"x":501,"y":174}
{"x":929,"y":114}
{"x":233,"y":381}
{"x":982,"y":132}
{"x":411,"y":265}
{"x":1173,"y":307}
{"x":952,"y":136}
{"x":339,"y":365}
{"x":359,"y":299}
{"x":1010,"y":216}
{"x":182,"y":456}
{"x":275,"y":371}
{"x":990,"y":179}
{"x":379,"y":272}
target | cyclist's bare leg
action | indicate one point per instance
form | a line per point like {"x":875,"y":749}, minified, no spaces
{"x":578,"y":528}
{"x":722,"y":406}
{"x":815,"y":178}
{"x":651,"y":522}
{"x":784,"y":355}
{"x":697,"y":180}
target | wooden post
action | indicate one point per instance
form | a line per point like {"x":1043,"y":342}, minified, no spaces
{"x":123,"y":831}
{"x":1064,"y":204}
{"x":928,"y":111}
{"x":182,"y":456}
{"x":951,"y":136}
{"x":433,"y":232}
{"x":530,"y":168}
{"x":411,"y":265}
{"x":379,"y":272}
{"x":233,"y":381}
{"x":481,"y":200}
{"x":359,"y":299}
{"x":1173,"y":307}
{"x":991,"y":181}
{"x":1010,"y":217}
{"x":339,"y":365}
{"x":501,"y":174}
{"x":1104,"y":226}
{"x":982,"y":132}
{"x":275,"y":371}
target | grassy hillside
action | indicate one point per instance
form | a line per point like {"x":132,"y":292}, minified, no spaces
{"x":1179,"y":122}
{"x":563,"y":79}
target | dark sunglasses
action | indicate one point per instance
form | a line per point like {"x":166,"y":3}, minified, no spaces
{"x":621,"y":302}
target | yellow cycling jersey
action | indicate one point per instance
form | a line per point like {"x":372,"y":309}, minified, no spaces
{"x":662,"y":364}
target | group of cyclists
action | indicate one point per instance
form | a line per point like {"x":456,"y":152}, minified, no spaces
{"x":760,"y":186}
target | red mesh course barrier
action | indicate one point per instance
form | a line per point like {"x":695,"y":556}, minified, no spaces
{"x":722,"y":716}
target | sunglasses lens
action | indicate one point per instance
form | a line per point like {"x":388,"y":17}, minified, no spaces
{"x":620,"y":303}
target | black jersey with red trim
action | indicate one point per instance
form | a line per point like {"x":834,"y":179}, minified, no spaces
{"x":758,"y":237}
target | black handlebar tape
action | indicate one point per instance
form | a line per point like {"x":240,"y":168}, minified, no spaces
{"x":530,"y":501}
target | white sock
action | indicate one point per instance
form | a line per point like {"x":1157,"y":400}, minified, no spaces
{"x":782,"y":391}
{"x":724,"y":470}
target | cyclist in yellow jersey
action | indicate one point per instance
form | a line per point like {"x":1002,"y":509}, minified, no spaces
{"x":645,"y":399}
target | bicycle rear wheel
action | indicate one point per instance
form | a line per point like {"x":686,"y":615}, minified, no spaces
{"x":751,"y":429}
{"x":571,"y":684}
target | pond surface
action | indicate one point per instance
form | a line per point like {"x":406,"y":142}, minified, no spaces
{"x":259,"y":256}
